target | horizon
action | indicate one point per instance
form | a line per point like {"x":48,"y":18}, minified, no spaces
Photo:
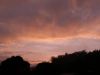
{"x":40,"y":29}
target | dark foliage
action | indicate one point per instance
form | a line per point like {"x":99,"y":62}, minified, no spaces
{"x":78,"y":63}
{"x":14,"y":66}
{"x":81,"y":63}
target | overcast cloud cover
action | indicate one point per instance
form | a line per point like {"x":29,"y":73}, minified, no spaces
{"x":48,"y":27}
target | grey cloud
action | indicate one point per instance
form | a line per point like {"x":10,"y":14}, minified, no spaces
{"x":46,"y":17}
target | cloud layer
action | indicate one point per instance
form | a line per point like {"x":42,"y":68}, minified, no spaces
{"x":48,"y":20}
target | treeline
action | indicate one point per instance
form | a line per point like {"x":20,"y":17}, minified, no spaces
{"x":78,"y":63}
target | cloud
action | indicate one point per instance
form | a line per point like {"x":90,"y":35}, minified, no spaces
{"x":44,"y":21}
{"x":48,"y":19}
{"x":38,"y":51}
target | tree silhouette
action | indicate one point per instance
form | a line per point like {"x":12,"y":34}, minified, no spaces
{"x":15,"y":66}
{"x":77,"y":63}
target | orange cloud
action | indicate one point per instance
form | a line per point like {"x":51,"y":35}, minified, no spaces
{"x":51,"y":25}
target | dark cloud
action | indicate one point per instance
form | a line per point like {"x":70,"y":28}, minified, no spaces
{"x":47,"y":18}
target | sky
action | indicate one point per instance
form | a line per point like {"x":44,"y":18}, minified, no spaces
{"x":40,"y":29}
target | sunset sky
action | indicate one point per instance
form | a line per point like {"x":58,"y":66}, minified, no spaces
{"x":39,"y":29}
